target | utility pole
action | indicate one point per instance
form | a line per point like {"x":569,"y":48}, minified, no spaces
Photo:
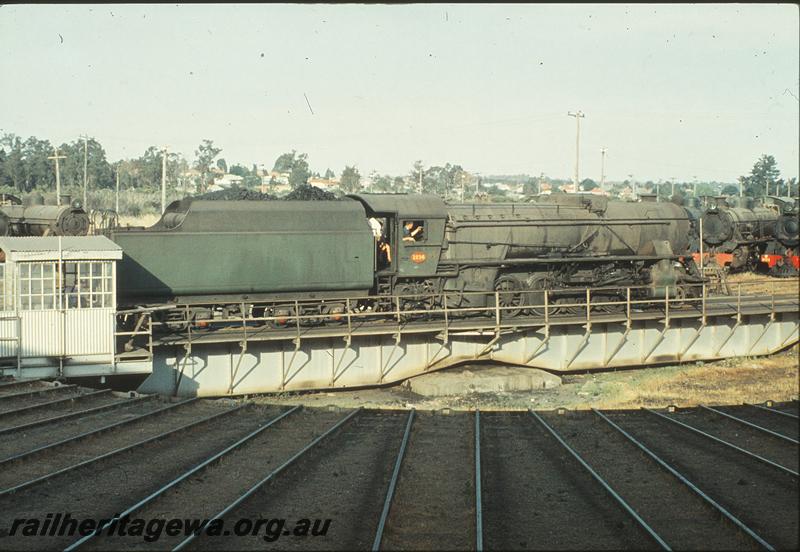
{"x":56,"y":157}
{"x":672,"y":181}
{"x":85,"y":166}
{"x":539,"y":184}
{"x":603,"y":169}
{"x":419,"y":186}
{"x":741,"y":185}
{"x":633,"y":186}
{"x":164,"y":181}
{"x":116,"y":201}
{"x":578,"y":116}
{"x":695,"y":186}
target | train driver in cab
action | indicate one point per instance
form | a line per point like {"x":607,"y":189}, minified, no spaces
{"x":412,"y":230}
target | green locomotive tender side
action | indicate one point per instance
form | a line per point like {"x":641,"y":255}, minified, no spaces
{"x":250,"y":249}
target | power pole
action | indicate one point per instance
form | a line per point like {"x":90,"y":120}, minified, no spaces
{"x":419,"y":186}
{"x":85,"y":166}
{"x":56,"y":157}
{"x":695,"y":186}
{"x":633,"y":186}
{"x":672,"y":181}
{"x":164,"y":181}
{"x":578,"y":116}
{"x":539,"y":184}
{"x":603,"y":168}
{"x":116,"y":201}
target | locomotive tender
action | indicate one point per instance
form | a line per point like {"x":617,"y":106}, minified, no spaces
{"x":265,"y":255}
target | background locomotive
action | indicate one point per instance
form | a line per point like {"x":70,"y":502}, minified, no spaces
{"x":37,"y":219}
{"x":747,"y":235}
{"x":265,"y":255}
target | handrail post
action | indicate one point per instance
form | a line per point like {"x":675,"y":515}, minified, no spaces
{"x":704,"y":303}
{"x":497,"y":308}
{"x":588,"y":308}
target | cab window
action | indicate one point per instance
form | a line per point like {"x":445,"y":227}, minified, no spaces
{"x":413,"y":231}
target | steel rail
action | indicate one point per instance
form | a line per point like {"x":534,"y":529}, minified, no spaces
{"x":750,"y":424}
{"x":266,"y":479}
{"x":478,"y":498}
{"x":752,"y":534}
{"x":774,"y":411}
{"x":7,"y":384}
{"x":67,"y":416}
{"x":115,"y":452}
{"x":76,"y":438}
{"x":48,"y":404}
{"x":726,"y":443}
{"x":189,"y":473}
{"x":387,"y":503}
{"x":53,"y":389}
{"x":642,"y":523}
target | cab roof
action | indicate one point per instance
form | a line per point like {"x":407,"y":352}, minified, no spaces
{"x":403,"y":205}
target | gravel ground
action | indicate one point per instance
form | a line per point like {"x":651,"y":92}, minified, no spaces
{"x":344,"y":480}
{"x":100,"y":491}
{"x":533,"y":492}
{"x":763,"y":498}
{"x":688,"y":524}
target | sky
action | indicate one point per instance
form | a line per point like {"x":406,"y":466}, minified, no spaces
{"x":671,"y":90}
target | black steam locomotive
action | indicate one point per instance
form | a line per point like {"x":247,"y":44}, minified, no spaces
{"x":403,"y":251}
{"x":37,"y":219}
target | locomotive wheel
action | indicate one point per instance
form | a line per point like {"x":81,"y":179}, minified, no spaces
{"x":616,"y":308}
{"x":539,"y":284}
{"x":509,"y":295}
{"x":573,"y":309}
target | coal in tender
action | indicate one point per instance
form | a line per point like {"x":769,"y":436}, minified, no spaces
{"x":301,"y":193}
{"x":234,"y":193}
{"x":309,"y":193}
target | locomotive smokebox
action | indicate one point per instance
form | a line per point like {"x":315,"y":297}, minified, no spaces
{"x":717,"y":227}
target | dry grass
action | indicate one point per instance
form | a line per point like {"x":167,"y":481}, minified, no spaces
{"x":141,"y":220}
{"x":733,"y":381}
{"x":758,"y":283}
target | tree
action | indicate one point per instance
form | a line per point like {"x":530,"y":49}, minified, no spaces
{"x":350,"y":180}
{"x":239,"y":170}
{"x":763,"y":177}
{"x":300,"y":171}
{"x":329,"y":174}
{"x":205,"y":155}
{"x":587,"y":184}
{"x":284,"y":162}
{"x":222,"y":165}
{"x":730,"y":190}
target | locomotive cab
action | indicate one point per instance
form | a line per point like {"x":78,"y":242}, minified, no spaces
{"x":413,"y":229}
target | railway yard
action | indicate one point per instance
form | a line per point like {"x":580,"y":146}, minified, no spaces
{"x":705,"y":477}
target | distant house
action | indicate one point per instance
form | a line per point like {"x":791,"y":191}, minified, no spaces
{"x":227,"y":180}
{"x":323,"y":182}
{"x":569,"y":188}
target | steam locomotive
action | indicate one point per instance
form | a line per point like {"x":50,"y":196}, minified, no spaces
{"x":747,"y":235}
{"x":37,"y":219}
{"x":269,"y":256}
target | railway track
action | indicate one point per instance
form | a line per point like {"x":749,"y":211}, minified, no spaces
{"x":402,"y":480}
